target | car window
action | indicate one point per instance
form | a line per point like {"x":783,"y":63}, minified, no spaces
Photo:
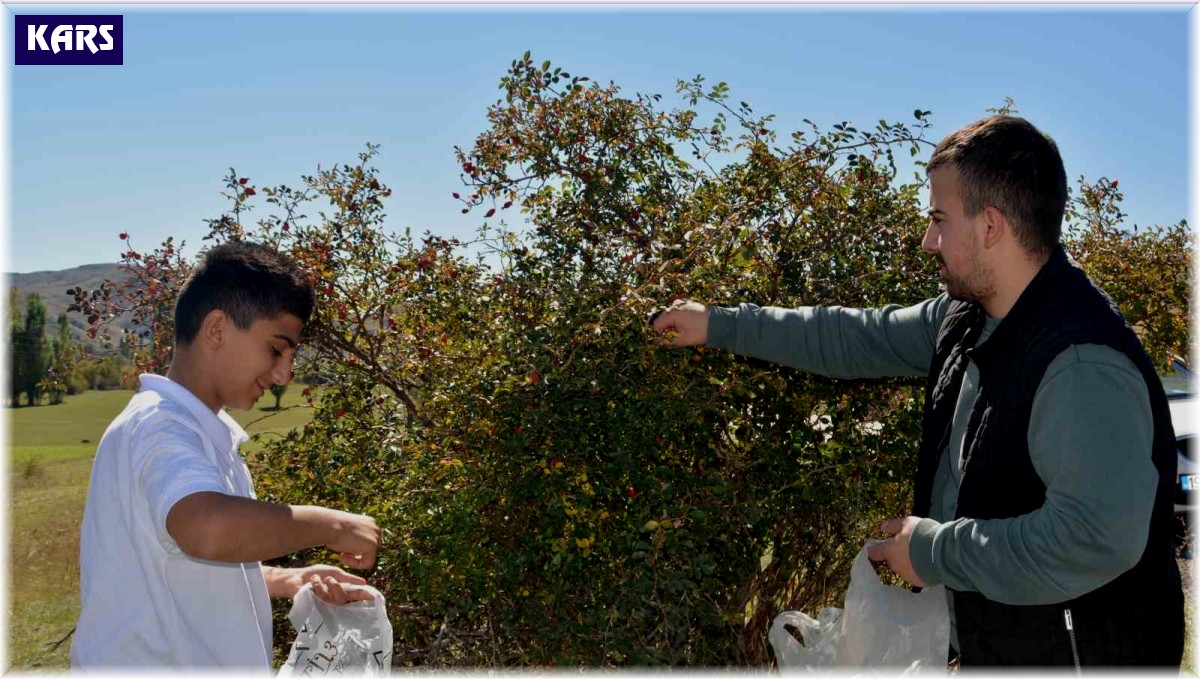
{"x":1178,"y":383}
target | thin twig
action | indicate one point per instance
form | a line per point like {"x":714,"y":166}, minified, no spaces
{"x":54,"y":646}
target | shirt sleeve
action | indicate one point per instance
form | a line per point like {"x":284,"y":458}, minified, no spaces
{"x":1090,"y":440}
{"x":833,"y":341}
{"x":173,"y":466}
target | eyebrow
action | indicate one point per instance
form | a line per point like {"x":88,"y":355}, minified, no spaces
{"x":289,"y":340}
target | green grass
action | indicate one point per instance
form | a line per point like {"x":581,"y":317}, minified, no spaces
{"x":50,"y":459}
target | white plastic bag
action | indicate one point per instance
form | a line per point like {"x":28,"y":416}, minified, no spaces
{"x":353,"y":639}
{"x":881,"y":627}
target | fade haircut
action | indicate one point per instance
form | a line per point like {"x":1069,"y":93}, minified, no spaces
{"x":1007,"y":163}
{"x":248,"y":281}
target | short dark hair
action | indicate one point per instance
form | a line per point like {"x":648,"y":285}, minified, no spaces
{"x":1007,"y":163}
{"x":248,"y":281}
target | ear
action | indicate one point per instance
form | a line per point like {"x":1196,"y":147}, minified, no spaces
{"x":214,"y":329}
{"x":995,"y":227}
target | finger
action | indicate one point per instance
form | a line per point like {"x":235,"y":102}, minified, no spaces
{"x":337,"y":594}
{"x":661,"y":321}
{"x":893,"y":526}
{"x":349,"y":578}
{"x":357,"y":594}
{"x":653,"y":316}
{"x":879,"y":552}
{"x":320,"y":589}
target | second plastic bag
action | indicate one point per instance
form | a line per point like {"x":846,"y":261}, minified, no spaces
{"x":881,"y":627}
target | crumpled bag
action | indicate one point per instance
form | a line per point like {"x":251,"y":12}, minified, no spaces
{"x":881,"y":628}
{"x":353,"y":639}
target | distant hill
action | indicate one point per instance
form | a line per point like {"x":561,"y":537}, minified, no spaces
{"x":53,"y":285}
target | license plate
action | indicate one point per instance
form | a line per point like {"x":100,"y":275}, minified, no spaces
{"x":1189,"y":481}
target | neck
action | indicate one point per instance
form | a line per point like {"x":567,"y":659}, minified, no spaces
{"x":1011,"y":280}
{"x":184,"y":373}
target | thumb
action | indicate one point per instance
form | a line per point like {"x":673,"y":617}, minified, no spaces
{"x":892,"y":526}
{"x":876,"y":551}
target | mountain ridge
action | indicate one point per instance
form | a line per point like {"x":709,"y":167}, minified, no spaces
{"x":52,"y":287}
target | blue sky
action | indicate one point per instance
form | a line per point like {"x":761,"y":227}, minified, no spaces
{"x":276,"y":90}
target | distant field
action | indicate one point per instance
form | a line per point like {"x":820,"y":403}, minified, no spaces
{"x":50,"y":460}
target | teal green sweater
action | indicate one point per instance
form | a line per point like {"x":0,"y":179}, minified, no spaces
{"x":1089,"y":440}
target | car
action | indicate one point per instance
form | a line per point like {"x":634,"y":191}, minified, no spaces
{"x":1181,"y":398}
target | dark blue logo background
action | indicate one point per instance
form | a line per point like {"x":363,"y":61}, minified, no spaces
{"x":68,"y":40}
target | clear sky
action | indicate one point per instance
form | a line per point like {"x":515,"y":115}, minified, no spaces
{"x":276,"y":90}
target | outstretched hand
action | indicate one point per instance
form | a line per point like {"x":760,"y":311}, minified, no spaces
{"x":894,"y":551}
{"x":688,"y":319}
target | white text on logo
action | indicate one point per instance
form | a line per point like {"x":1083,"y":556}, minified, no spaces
{"x":64,"y":36}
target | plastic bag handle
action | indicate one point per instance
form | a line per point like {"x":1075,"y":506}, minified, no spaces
{"x":302,"y":605}
{"x":785,"y":644}
{"x":862,"y":572}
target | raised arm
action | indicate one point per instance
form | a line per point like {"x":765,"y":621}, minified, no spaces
{"x":833,"y":341}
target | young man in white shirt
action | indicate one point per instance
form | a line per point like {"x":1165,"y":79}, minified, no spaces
{"x":172,"y":533}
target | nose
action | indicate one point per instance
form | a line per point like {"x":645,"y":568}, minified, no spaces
{"x":281,"y":372}
{"x":929,"y":242}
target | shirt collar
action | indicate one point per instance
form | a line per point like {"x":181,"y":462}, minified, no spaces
{"x":217,"y":426}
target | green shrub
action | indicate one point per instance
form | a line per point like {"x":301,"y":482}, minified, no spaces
{"x":556,"y":488}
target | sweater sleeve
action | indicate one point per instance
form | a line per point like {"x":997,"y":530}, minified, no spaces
{"x":891,"y":341}
{"x":1090,"y":440}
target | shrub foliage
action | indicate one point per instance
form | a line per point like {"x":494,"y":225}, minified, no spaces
{"x":555,"y":487}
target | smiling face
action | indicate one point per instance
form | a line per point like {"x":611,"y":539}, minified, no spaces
{"x":956,"y":239}
{"x":248,"y":362}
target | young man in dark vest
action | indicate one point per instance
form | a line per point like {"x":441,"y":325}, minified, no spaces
{"x":1043,"y":496}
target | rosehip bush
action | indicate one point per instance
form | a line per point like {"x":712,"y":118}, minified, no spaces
{"x":1146,"y":270}
{"x":554,"y":486}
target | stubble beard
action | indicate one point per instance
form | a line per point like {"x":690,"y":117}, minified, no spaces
{"x":974,"y":286}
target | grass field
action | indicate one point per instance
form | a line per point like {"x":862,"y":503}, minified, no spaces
{"x":50,"y":461}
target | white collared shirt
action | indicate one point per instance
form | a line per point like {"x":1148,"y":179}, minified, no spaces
{"x":144,"y":603}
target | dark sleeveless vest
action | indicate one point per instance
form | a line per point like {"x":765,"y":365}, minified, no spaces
{"x":1136,"y":619}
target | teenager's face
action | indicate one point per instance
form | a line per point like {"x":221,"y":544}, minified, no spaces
{"x":956,"y":239}
{"x":253,"y":360}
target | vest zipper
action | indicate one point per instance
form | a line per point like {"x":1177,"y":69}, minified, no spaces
{"x":1071,"y":634}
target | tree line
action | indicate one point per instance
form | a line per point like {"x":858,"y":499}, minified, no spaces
{"x":46,"y":363}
